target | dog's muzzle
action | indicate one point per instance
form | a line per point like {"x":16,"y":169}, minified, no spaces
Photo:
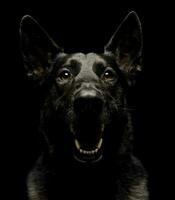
{"x":88,"y":101}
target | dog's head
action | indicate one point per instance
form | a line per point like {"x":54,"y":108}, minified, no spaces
{"x":85,"y":92}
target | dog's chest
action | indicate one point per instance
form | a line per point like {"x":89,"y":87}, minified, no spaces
{"x":82,"y":184}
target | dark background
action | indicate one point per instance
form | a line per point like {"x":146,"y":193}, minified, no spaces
{"x":87,"y":26}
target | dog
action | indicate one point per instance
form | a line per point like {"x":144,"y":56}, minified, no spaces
{"x":84,"y":119}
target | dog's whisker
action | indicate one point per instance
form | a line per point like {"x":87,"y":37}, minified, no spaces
{"x":127,"y":109}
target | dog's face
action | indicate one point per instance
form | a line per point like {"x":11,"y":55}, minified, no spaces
{"x":86,"y":92}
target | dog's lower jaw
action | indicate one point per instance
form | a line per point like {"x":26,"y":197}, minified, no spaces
{"x":89,"y":156}
{"x":90,"y":149}
{"x":89,"y":152}
{"x":88,"y":161}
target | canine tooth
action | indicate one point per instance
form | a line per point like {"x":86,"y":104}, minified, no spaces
{"x":77,"y":144}
{"x":100,"y":143}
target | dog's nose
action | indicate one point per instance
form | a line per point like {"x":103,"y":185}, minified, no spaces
{"x":88,"y":101}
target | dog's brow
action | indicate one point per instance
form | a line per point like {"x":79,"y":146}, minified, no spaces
{"x":72,"y":62}
{"x":100,"y":62}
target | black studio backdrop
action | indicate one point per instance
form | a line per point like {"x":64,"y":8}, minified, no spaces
{"x":87,"y":27}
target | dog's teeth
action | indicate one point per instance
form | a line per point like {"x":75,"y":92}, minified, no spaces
{"x":88,"y":152}
{"x":84,"y":151}
{"x":93,"y":151}
{"x":77,"y":144}
{"x":96,"y":150}
{"x":81,"y":151}
{"x":100,"y":143}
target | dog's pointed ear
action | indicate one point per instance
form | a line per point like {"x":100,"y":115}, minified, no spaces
{"x":38,"y":49}
{"x":126,"y":45}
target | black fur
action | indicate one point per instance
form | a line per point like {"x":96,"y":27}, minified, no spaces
{"x":84,"y":117}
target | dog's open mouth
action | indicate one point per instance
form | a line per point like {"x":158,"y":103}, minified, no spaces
{"x":88,"y":144}
{"x":88,"y":155}
{"x":88,"y":125}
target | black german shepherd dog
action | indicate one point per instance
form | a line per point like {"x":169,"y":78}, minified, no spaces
{"x":84,"y":117}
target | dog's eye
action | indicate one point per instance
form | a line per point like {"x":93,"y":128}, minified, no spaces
{"x":108,"y":75}
{"x":64,"y":75}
